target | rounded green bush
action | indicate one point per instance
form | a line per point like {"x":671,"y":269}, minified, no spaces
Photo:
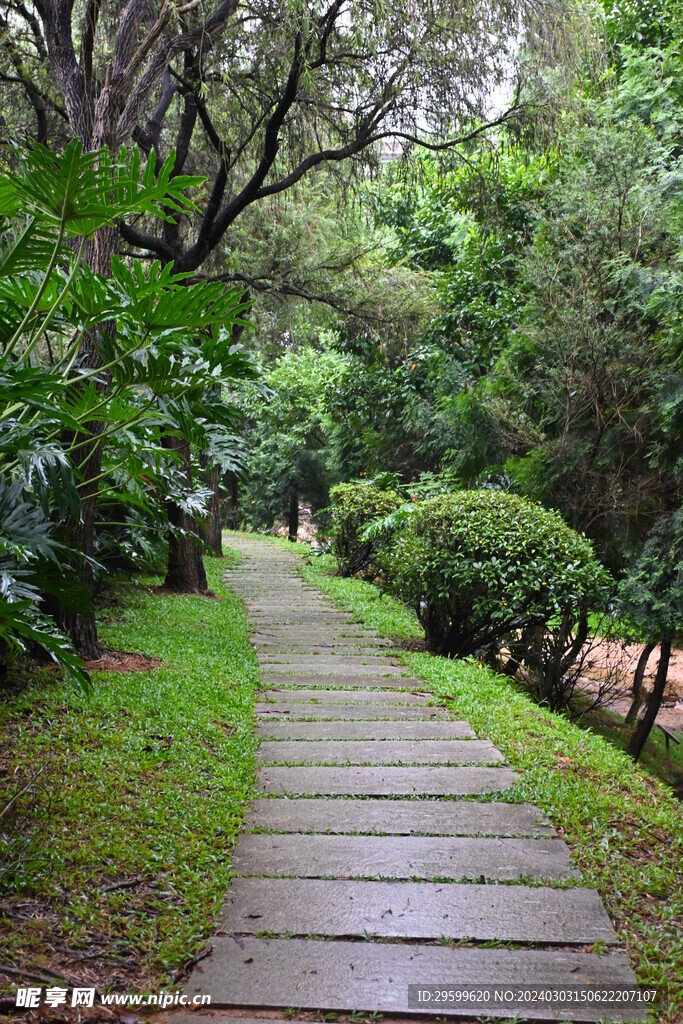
{"x":353,"y":506}
{"x":479,"y":566}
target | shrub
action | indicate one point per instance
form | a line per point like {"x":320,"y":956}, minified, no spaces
{"x":353,"y":507}
{"x":484,"y":569}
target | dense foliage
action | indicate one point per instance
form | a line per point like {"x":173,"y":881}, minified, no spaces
{"x":354,"y":507}
{"x":486,"y":569}
{"x":146,"y":382}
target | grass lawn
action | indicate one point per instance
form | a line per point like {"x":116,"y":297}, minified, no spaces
{"x":625,"y":829}
{"x":114,"y":868}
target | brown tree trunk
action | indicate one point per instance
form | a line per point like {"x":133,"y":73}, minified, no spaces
{"x":232,"y":482}
{"x":81,"y":627}
{"x":293,"y":515}
{"x":185,"y":571}
{"x":639,"y":738}
{"x":638,"y":677}
{"x":214,"y":525}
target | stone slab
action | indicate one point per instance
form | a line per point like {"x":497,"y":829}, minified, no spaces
{"x":322,"y":641}
{"x":397,"y":817}
{"x":294,"y":639}
{"x":336,"y":632}
{"x":374,"y":977}
{"x":347,"y":662}
{"x":293,"y":730}
{"x":328,"y":667}
{"x":398,"y":752}
{"x":209,"y":1016}
{"x":349,"y":712}
{"x":386,"y":781}
{"x":303,"y":602}
{"x":340,"y":696}
{"x":348,"y":682}
{"x":274,"y":651}
{"x":298,"y":618}
{"x":317,"y":667}
{"x":416,"y":910}
{"x":311,"y":603}
{"x":324,"y":638}
{"x":429,"y":857}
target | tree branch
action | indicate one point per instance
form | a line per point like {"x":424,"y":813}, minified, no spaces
{"x":160,"y":58}
{"x":289,"y":290}
{"x":213,"y":229}
{"x":23,"y":78}
{"x":90,"y":19}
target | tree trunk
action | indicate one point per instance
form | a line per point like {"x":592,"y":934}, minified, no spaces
{"x":293,"y":515}
{"x":185,"y":572}
{"x":638,"y":677}
{"x":232,"y":482}
{"x":214,"y":526}
{"x":81,"y":627}
{"x":642,"y":732}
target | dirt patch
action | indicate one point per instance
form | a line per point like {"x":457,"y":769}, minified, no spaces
{"x":122,"y":661}
{"x":413,"y":644}
{"x":626,"y":656}
{"x":307,"y":529}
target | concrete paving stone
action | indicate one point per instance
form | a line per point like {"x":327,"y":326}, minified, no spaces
{"x":397,"y":817}
{"x":350,"y":633}
{"x":386,"y":781}
{"x":323,"y":638}
{"x":288,"y":730}
{"x":374,"y":977}
{"x":267,"y":592}
{"x":291,"y":605}
{"x":331,"y":671}
{"x":307,"y":599}
{"x":292,"y":591}
{"x":342,"y":632}
{"x":351,"y":682}
{"x":330,"y":656}
{"x":329,"y":667}
{"x":209,"y":1016}
{"x":254,"y":595}
{"x":340,"y":696}
{"x":299,"y":618}
{"x":281,"y":710}
{"x":416,"y":910}
{"x":263,"y":579}
{"x":321,"y":648}
{"x":329,"y":661}
{"x":454,"y":857}
{"x":265,"y":650}
{"x":388,"y":752}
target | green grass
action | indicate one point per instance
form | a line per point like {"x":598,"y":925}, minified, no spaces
{"x":378,"y":610}
{"x":145,"y":779}
{"x":654,"y":756}
{"x":624,"y":827}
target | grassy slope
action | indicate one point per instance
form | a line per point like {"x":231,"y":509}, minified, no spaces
{"x":146,"y":778}
{"x":624,"y":828}
{"x":653,"y":758}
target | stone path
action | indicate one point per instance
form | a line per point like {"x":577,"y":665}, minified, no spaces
{"x":369,"y":852}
